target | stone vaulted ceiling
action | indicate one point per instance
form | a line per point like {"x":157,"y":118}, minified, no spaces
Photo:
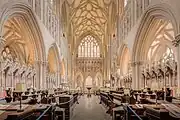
{"x":89,"y":17}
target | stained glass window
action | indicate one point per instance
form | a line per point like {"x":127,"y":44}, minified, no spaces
{"x":89,"y":47}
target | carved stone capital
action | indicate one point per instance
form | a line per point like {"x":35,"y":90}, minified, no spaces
{"x":176,"y":41}
{"x":133,"y":64}
{"x":40,"y":62}
{"x":44,"y":62}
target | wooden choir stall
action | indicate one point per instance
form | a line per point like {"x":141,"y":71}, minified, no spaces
{"x":146,"y":104}
{"x":31,"y":104}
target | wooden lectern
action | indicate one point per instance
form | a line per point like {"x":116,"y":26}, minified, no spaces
{"x":20,"y":88}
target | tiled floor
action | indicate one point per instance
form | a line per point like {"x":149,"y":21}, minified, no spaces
{"x":90,"y":109}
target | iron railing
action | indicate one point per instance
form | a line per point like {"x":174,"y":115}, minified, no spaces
{"x":131,"y":114}
{"x":39,"y":118}
{"x":45,"y":112}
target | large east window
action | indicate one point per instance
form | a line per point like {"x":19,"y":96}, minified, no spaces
{"x":89,"y":47}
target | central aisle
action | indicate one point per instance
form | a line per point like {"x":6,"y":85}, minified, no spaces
{"x":90,"y":109}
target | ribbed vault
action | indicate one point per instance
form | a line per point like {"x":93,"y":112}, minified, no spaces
{"x":88,"y":17}
{"x":19,"y":40}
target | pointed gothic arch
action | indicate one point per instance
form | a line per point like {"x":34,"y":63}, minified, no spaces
{"x":11,"y":10}
{"x":160,"y":11}
{"x":53,"y":60}
{"x":150,"y":20}
{"x":124,"y":59}
{"x":30,"y":48}
{"x":89,"y":81}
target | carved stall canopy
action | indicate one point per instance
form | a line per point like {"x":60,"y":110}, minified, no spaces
{"x":160,"y":72}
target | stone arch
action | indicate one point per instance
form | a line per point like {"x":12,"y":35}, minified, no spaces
{"x":29,"y":22}
{"x":53,"y":69}
{"x":89,"y":81}
{"x":54,"y":57}
{"x":19,"y":9}
{"x":124,"y":59}
{"x":160,"y":11}
{"x":148,"y":21}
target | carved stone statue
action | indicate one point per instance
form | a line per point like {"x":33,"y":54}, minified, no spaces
{"x":4,"y":55}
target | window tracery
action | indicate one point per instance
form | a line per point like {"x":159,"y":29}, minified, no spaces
{"x":168,"y":55}
{"x":125,"y":3}
{"x":89,"y":47}
{"x":52,"y":2}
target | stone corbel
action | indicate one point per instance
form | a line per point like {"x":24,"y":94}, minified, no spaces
{"x":40,"y":63}
{"x":176,"y":41}
{"x":43,"y":63}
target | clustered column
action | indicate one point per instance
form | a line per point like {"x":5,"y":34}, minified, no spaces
{"x":136,"y":81}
